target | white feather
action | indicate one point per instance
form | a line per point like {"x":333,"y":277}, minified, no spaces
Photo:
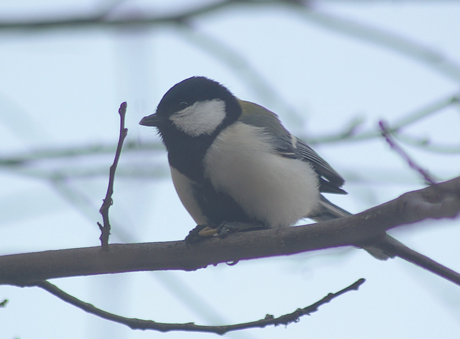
{"x":293,"y":140}
{"x":274,"y":189}
{"x":184,"y":190}
{"x":203,"y":117}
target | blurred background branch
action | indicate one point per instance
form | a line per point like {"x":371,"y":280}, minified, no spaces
{"x":30,"y":163}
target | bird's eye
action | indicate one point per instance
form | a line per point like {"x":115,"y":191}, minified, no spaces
{"x":183,"y":104}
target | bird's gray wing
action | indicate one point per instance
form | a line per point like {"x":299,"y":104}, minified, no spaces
{"x":330,"y":180}
{"x":289,"y":146}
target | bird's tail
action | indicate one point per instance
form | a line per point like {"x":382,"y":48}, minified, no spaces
{"x":329,"y":211}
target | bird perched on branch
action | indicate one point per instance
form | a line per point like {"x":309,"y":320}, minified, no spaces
{"x":236,"y":167}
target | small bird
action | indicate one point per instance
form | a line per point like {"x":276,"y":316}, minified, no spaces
{"x":233,"y":163}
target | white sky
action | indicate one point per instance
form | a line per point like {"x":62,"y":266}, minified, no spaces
{"x":62,"y":88}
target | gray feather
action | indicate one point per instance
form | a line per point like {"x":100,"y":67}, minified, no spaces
{"x":287,"y":145}
{"x":329,"y":211}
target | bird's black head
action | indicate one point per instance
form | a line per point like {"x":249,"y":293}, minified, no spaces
{"x":195,"y":106}
{"x":189,"y":117}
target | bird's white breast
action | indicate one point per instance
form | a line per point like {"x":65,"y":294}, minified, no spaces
{"x":184,"y":189}
{"x":273,"y":189}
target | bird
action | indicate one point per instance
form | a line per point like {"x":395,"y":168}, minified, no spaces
{"x":236,"y":167}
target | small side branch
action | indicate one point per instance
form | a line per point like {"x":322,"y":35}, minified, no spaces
{"x":140,"y":324}
{"x":107,"y":202}
{"x":420,"y":260}
{"x":387,"y":135}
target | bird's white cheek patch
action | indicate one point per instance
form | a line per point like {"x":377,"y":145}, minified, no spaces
{"x":203,"y":117}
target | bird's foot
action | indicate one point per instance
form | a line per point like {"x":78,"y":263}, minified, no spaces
{"x":227,"y":228}
{"x":201,"y":232}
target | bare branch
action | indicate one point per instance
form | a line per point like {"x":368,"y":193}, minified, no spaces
{"x":427,"y":111}
{"x":28,"y":157}
{"x":100,"y":20}
{"x":371,"y":34}
{"x":187,"y":294}
{"x":140,"y":324}
{"x":104,"y":210}
{"x":351,"y":133}
{"x":412,"y":164}
{"x":414,"y":50}
{"x":239,"y":64}
{"x":421,"y":260}
{"x":427,"y":145}
{"x":20,"y":163}
{"x":366,"y":228}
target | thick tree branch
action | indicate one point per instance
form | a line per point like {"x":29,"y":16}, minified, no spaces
{"x":140,"y":324}
{"x":434,"y":202}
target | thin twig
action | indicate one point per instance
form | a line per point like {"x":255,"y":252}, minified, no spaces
{"x":427,"y":145}
{"x":189,"y":295}
{"x":28,"y":157}
{"x":426,"y":111}
{"x":140,"y":324}
{"x":101,"y":20}
{"x":381,"y":37}
{"x":107,"y":202}
{"x":350,"y":132}
{"x":241,"y":65}
{"x":386,"y":134}
{"x":434,"y":59}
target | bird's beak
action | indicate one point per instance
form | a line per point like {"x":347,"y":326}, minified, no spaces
{"x":150,"y":120}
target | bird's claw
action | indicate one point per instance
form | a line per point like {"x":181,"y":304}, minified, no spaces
{"x":201,"y":232}
{"x":227,"y":228}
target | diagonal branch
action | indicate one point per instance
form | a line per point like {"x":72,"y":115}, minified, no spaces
{"x":421,"y":260}
{"x":21,"y":163}
{"x":412,"y":164}
{"x":366,"y":228}
{"x":414,"y":50}
{"x":382,"y":37}
{"x":140,"y":324}
{"x":351,"y":133}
